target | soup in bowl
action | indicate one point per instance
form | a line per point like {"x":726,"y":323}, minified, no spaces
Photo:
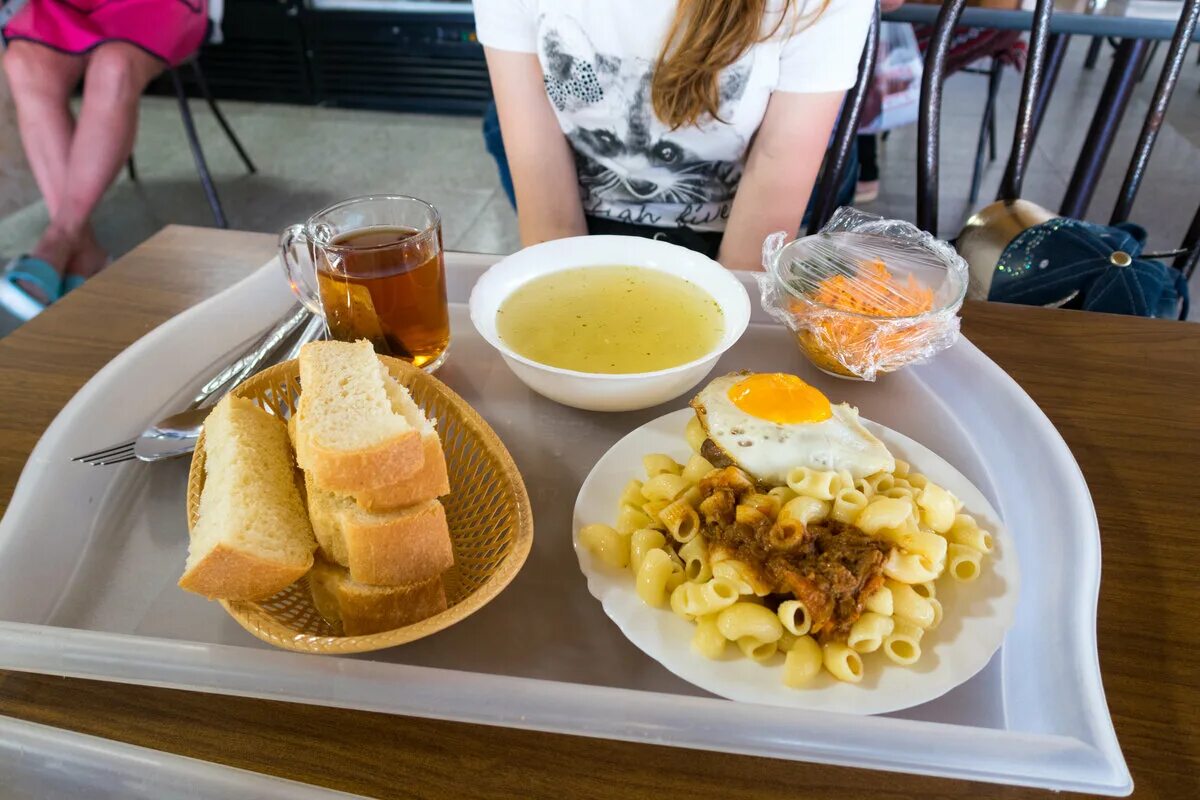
{"x":609,"y":323}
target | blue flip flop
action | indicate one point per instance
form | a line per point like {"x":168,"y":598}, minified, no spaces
{"x":72,"y":282}
{"x":13,"y":296}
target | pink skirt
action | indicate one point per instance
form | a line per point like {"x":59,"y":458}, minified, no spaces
{"x":172,"y":30}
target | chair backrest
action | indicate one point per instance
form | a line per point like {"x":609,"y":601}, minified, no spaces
{"x":1041,"y":70}
{"x":1172,"y":66}
{"x":845,"y":134}
{"x":929,"y":116}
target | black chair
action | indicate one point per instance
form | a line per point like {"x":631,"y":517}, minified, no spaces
{"x":1044,"y":59}
{"x":189,"y":127}
{"x":834,"y":167}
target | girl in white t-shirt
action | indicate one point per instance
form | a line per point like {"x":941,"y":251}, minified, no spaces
{"x":700,"y":121}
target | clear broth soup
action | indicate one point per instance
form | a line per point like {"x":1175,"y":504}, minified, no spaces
{"x":616,"y":319}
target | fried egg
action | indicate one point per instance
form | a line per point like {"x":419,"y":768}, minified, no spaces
{"x":770,"y":423}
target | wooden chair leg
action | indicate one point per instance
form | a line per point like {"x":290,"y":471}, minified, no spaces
{"x":212,"y":103}
{"x":189,"y":127}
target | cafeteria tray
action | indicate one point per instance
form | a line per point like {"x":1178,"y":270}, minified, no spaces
{"x":40,"y":762}
{"x":89,"y":558}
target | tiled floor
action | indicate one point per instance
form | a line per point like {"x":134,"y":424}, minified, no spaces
{"x":308,"y":157}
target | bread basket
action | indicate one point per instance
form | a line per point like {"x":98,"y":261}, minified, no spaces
{"x":491,"y":525}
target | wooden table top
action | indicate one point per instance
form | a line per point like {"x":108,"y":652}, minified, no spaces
{"x":1124,"y":393}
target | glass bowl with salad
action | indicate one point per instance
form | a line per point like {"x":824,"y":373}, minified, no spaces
{"x":865,"y":295}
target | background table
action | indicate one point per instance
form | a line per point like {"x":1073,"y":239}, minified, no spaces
{"x":1124,"y":392}
{"x":1122,"y":19}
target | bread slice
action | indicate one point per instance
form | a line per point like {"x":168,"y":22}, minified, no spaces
{"x":252,"y":537}
{"x":409,"y":545}
{"x":362,"y":609}
{"x":428,"y":482}
{"x":357,"y":429}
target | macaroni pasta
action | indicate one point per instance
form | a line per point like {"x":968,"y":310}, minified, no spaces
{"x":660,"y":536}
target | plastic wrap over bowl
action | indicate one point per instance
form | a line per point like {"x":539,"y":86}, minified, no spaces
{"x":865,"y":295}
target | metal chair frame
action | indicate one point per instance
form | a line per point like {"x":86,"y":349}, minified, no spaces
{"x":189,"y":128}
{"x":845,"y":133}
{"x":1045,"y":61}
{"x":987,"y":125}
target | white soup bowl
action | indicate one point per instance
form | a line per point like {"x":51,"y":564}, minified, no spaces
{"x":605,"y":391}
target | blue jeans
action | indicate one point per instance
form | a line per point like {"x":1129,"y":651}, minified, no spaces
{"x":495,"y":145}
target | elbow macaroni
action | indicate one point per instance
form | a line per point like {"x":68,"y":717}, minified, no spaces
{"x":632,"y":494}
{"x":818,"y":484}
{"x":655,"y":578}
{"x":681,"y":520}
{"x":802,"y":662}
{"x":848,"y":503}
{"x":937,"y":508}
{"x":660,"y":537}
{"x":966,"y":531}
{"x":963,"y":562}
{"x":659,"y":464}
{"x":609,"y":546}
{"x":665,"y":486}
{"x":883,"y":512}
{"x":630,"y":519}
{"x":903,"y":646}
{"x":794,"y":617}
{"x":868,"y":633}
{"x":697,"y":467}
{"x":641,"y":542}
{"x":844,"y":663}
{"x":695,"y":559}
{"x":803,"y":509}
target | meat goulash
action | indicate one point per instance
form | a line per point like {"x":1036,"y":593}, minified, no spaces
{"x":830,"y":566}
{"x":790,"y":530}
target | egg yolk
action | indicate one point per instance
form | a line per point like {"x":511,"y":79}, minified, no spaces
{"x":779,"y":398}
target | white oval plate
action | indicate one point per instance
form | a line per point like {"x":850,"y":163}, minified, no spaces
{"x":977,"y":614}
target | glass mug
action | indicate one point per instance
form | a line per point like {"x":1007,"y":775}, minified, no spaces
{"x":374,"y":270}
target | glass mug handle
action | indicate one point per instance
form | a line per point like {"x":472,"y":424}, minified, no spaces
{"x":300,"y":271}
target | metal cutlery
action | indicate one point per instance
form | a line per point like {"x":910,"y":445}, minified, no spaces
{"x":176,"y":435}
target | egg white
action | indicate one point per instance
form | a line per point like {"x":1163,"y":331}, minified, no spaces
{"x":768,"y":450}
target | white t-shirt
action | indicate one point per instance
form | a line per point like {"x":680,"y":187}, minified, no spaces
{"x":597,"y":58}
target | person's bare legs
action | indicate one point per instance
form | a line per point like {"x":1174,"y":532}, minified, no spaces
{"x":89,"y":256}
{"x":41,"y":81}
{"x":114,"y":78}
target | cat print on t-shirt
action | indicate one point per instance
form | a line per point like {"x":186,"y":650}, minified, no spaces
{"x":632,"y":167}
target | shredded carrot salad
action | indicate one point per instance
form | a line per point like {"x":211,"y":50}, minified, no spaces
{"x":876,"y":292}
{"x":849,"y":345}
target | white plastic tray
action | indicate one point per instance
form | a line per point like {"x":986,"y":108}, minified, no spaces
{"x":40,"y":762}
{"x":89,"y":558}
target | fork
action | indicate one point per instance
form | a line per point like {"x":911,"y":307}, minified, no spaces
{"x":218,"y":385}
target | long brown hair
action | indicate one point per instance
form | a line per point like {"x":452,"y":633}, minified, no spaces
{"x":706,"y":37}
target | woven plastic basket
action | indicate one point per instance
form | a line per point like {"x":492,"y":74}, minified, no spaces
{"x":491,"y":526}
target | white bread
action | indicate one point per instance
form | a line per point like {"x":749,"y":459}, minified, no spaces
{"x":362,"y":609}
{"x":428,"y":482}
{"x":357,"y":429}
{"x":408,"y":545}
{"x":252,"y":537}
